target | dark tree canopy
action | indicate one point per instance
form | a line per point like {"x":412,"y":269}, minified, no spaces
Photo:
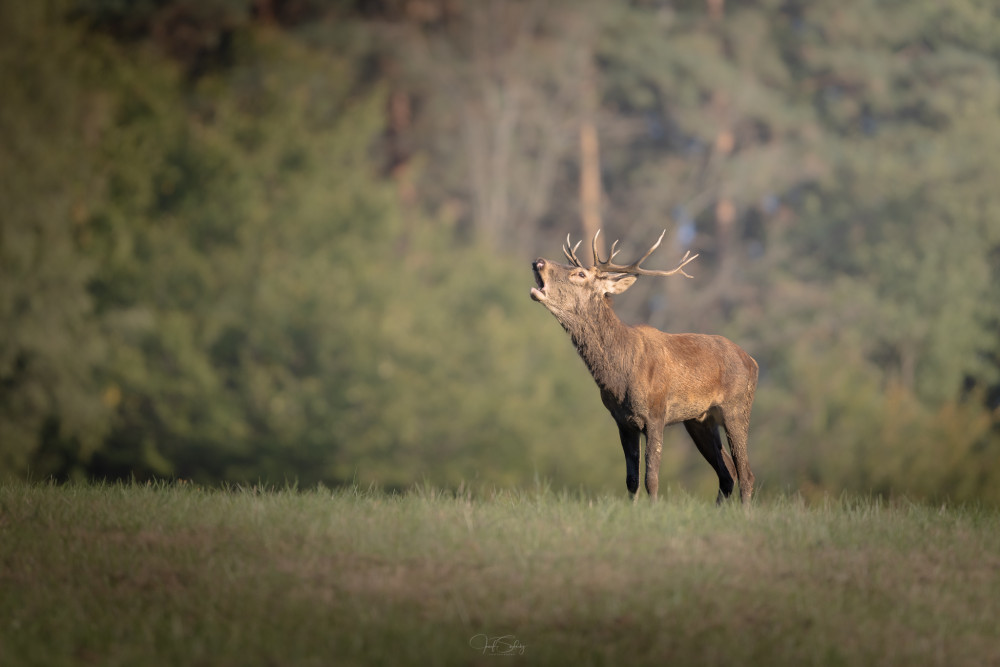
{"x":289,"y":239}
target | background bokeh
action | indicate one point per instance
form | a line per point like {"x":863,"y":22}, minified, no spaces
{"x":289,"y":240}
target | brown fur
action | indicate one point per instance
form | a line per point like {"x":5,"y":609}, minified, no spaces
{"x":650,"y":379}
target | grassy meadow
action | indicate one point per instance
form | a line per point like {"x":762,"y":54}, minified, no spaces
{"x":176,"y":575}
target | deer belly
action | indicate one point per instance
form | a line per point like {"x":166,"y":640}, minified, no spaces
{"x":678,"y":409}
{"x":711,"y":413}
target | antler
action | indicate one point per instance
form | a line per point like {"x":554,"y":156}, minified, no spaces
{"x":571,"y":252}
{"x":607,"y":267}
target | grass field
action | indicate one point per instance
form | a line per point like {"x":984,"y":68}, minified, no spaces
{"x":174,"y":575}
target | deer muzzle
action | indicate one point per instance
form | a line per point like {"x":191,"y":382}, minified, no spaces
{"x":538,"y":293}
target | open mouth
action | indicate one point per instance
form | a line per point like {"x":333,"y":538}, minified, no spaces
{"x":537,"y":293}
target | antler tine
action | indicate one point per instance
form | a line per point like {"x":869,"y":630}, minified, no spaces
{"x":650,"y":251}
{"x":614,"y":251}
{"x":571,"y":252}
{"x":688,"y":257}
{"x":634,"y":269}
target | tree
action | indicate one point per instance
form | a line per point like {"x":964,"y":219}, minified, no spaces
{"x":248,"y":240}
{"x":51,"y":408}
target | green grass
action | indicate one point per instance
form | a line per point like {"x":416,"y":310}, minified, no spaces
{"x":174,"y":575}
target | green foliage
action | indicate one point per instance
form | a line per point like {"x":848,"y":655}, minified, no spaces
{"x":254,"y":240}
{"x":50,"y":345}
{"x":265,"y":312}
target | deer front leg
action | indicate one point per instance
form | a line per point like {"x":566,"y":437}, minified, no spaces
{"x":654,"y":447}
{"x":630,"y":445}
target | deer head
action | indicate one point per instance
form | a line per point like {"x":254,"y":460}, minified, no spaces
{"x":573,"y":289}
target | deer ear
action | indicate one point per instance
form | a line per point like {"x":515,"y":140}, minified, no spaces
{"x":613,"y":285}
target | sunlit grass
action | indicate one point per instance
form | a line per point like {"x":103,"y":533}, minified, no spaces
{"x":124,"y":575}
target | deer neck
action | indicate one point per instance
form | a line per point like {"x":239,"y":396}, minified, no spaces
{"x":603,"y":342}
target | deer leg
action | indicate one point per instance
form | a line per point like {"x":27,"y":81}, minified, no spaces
{"x":630,"y":445}
{"x":706,"y":437}
{"x":654,"y":447}
{"x":737,"y":425}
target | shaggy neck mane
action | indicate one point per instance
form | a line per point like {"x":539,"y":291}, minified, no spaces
{"x":603,"y":343}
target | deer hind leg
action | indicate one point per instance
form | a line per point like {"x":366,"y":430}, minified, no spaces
{"x":705,"y":434}
{"x":736,"y":421}
{"x":630,"y":445}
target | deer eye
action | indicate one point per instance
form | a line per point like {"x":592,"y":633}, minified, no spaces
{"x":581,"y":274}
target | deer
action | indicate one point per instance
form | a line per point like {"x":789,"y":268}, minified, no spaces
{"x":648,"y":378}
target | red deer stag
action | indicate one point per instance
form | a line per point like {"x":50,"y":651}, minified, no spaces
{"x":650,"y":379}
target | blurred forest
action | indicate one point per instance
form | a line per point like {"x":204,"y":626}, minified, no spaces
{"x":247,"y":240}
